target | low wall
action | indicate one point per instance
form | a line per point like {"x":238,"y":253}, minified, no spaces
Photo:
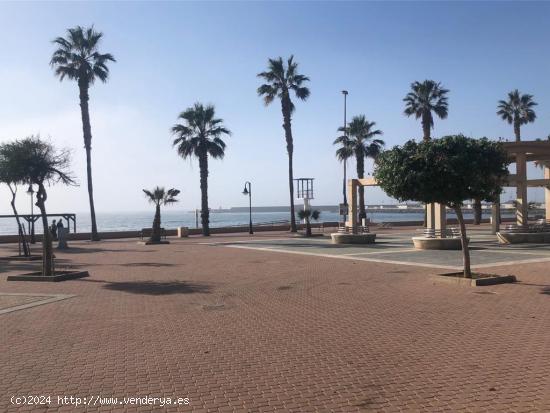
{"x":83,"y":236}
{"x":231,"y":230}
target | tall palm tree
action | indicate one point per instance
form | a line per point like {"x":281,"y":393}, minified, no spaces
{"x":280,"y":81}
{"x":426,"y":98}
{"x":517,"y":110}
{"x":362,"y":144}
{"x":343,"y":153}
{"x":78,"y":58}
{"x":159,"y":196}
{"x":200,"y":135}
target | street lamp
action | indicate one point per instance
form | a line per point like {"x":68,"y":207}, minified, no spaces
{"x":345,"y":93}
{"x":248,"y":191}
{"x":30,"y":191}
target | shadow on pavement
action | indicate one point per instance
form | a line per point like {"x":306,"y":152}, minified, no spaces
{"x":158,"y":287}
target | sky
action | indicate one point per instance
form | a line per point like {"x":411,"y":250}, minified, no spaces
{"x":173,"y":54}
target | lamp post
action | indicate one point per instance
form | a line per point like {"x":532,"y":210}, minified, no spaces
{"x":345,"y":93}
{"x":30,"y":191}
{"x":248,"y":191}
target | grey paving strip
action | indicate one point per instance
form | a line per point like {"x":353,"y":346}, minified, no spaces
{"x":515,"y":262}
{"x":52,"y":298}
{"x":347,"y":257}
{"x":515,"y":252}
{"x":391,"y":251}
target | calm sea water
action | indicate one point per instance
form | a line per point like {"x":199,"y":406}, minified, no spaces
{"x":171,"y":219}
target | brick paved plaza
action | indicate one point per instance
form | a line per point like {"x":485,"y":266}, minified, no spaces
{"x":250,"y":329}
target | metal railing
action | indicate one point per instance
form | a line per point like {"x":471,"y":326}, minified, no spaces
{"x":437,"y":233}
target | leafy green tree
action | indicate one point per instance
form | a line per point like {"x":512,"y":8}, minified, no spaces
{"x":200,"y":135}
{"x":281,"y":81}
{"x":307,"y":215}
{"x":34,"y":161}
{"x":361,"y":142}
{"x":77,"y":58}
{"x":425,"y":99}
{"x":448,"y":171}
{"x":160,"y":196}
{"x":517,"y":110}
{"x":7,"y":177}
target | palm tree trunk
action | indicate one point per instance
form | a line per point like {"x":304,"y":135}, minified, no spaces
{"x":517,"y":130}
{"x":87,"y":132}
{"x":26,"y":249}
{"x":47,"y":255}
{"x":464,"y":240}
{"x":477,"y":211}
{"x":426,"y":127}
{"x":285,"y":102}
{"x":155,"y":234}
{"x":308,"y":227}
{"x":205,"y":213}
{"x":360,"y":161}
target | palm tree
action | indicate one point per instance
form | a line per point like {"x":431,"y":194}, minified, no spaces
{"x":362,"y":144}
{"x":280,"y":82}
{"x":426,"y":98}
{"x":159,"y":196}
{"x":200,"y":135}
{"x":343,"y":153}
{"x":33,"y":161}
{"x":517,"y":110}
{"x":78,"y":58}
{"x":307,"y":215}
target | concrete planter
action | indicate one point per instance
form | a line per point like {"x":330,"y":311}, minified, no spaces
{"x":424,"y":243}
{"x":477,"y":280}
{"x":523,"y":237}
{"x":338,"y":238}
{"x":59,"y":276}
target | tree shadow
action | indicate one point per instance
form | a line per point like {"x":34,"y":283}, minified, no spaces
{"x":146,"y":264}
{"x":158,"y":287}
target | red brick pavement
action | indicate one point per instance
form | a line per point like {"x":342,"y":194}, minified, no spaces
{"x":243,"y":330}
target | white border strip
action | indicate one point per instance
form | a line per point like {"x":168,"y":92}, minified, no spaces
{"x":52,"y":298}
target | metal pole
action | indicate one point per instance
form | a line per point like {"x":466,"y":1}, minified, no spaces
{"x":250,"y":207}
{"x":345,"y":93}
{"x":33,"y":240}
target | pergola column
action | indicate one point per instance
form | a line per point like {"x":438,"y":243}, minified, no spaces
{"x":495,"y":216}
{"x":440,"y":218}
{"x":352,"y":205}
{"x":547,"y":193}
{"x":521,"y":185}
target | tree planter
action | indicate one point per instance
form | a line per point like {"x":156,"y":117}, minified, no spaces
{"x":21,"y":258}
{"x":153,"y":242}
{"x":477,"y":280}
{"x":59,"y":276}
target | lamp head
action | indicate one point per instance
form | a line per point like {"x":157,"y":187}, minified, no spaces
{"x":344,"y":92}
{"x":245,"y":191}
{"x":30,"y":190}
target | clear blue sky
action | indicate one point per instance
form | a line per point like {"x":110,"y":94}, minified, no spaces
{"x":170,"y":55}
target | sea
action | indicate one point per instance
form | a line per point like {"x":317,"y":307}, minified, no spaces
{"x":128,"y":221}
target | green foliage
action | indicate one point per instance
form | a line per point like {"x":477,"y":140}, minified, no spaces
{"x":308,"y":213}
{"x":160,"y":196}
{"x":280,"y":80}
{"x":32,"y":160}
{"x":360,"y":140}
{"x":77,"y":56}
{"x":426,"y":97}
{"x":200,"y":133}
{"x":449,"y":170}
{"x":518,"y":108}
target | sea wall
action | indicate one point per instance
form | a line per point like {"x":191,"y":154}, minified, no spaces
{"x":230,"y":230}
